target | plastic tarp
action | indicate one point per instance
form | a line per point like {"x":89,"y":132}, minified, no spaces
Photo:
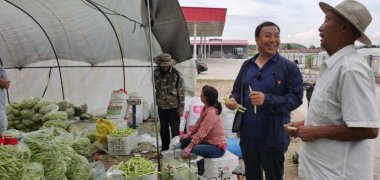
{"x":171,"y":33}
{"x":89,"y":44}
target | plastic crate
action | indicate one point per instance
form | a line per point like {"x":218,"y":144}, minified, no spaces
{"x":122,"y":145}
{"x":221,"y":167}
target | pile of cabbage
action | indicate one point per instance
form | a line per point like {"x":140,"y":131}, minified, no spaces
{"x":45,"y":154}
{"x":31,"y":114}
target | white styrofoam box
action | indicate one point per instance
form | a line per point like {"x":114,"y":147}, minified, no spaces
{"x":116,"y":110}
{"x":195,"y":111}
{"x":228,"y":120}
{"x":226,"y":164}
{"x":119,"y":96}
{"x":186,"y":112}
{"x":122,"y":145}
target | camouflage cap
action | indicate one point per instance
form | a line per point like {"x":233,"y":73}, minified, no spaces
{"x":164,"y":59}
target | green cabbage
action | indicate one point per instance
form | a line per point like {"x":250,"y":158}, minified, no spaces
{"x":15,"y":105}
{"x":29,"y":103}
{"x":48,"y":108}
{"x":64,"y":124}
{"x":12,"y":111}
{"x":56,"y":115}
{"x":40,"y":104}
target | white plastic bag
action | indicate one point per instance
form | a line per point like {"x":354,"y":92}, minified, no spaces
{"x":175,"y":143}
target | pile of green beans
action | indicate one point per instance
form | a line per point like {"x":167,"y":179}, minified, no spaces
{"x":138,"y":166}
{"x":123,"y":132}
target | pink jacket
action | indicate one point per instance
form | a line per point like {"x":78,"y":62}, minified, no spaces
{"x":209,"y":129}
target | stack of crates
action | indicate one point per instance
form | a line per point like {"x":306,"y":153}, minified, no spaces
{"x":221,"y":167}
{"x":122,"y":145}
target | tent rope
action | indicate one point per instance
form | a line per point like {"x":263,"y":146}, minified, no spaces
{"x":117,"y":38}
{"x":51,"y":44}
{"x":43,"y":94}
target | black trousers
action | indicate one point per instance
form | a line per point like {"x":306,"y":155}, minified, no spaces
{"x":258,"y":158}
{"x":168,"y":117}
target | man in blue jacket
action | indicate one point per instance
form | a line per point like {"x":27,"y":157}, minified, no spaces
{"x":269,"y":87}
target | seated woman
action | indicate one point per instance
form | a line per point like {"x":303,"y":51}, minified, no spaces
{"x":207,"y":137}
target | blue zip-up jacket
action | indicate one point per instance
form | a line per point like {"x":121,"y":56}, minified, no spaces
{"x":281,"y":82}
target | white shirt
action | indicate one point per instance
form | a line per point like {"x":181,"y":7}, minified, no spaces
{"x":344,"y":94}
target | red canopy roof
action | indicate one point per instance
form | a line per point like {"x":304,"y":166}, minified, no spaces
{"x":224,"y":42}
{"x":202,"y":14}
{"x":209,"y":21}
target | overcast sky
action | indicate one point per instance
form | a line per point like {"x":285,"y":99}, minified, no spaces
{"x":299,"y":20}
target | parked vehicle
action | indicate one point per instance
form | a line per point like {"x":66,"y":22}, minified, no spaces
{"x":201,"y":66}
{"x":238,"y":53}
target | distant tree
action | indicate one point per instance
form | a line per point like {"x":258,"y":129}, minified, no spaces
{"x":309,"y":61}
{"x":251,"y":46}
{"x":288,"y":46}
{"x":312,"y":47}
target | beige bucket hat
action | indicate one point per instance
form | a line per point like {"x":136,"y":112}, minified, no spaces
{"x":355,"y":12}
{"x":164,"y":59}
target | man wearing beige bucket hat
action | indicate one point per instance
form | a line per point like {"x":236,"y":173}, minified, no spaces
{"x":342,"y":121}
{"x":170,"y":97}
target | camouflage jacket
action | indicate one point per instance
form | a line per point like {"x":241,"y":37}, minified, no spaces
{"x":170,"y":92}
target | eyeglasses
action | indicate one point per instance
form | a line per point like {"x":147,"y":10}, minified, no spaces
{"x":258,"y":76}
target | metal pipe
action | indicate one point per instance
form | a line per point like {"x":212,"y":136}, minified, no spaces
{"x":153,"y":83}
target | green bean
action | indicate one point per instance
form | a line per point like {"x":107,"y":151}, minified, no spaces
{"x":138,"y":166}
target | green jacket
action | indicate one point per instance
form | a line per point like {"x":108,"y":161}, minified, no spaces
{"x":170,"y":91}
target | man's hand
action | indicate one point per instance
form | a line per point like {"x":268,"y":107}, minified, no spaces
{"x":292,"y":127}
{"x":4,"y":84}
{"x":231,"y":104}
{"x":257,"y":98}
{"x":308,"y":133}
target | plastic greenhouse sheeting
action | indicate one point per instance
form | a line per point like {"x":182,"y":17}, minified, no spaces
{"x":97,"y":44}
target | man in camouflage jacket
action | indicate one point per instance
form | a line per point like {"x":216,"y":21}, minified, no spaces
{"x":170,"y":97}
